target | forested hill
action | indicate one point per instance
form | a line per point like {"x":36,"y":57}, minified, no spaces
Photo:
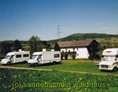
{"x":82,"y":36}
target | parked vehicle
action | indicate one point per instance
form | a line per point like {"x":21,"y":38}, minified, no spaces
{"x":16,"y":57}
{"x":45,"y":57}
{"x":109,"y":59}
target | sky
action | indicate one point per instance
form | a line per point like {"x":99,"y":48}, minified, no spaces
{"x":21,"y":19}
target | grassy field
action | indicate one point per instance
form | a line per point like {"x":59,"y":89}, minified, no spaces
{"x":70,"y":76}
{"x":13,"y":80}
{"x":70,"y":65}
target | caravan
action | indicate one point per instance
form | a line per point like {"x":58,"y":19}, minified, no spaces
{"x":109,"y":59}
{"x":45,"y":57}
{"x":16,"y":57}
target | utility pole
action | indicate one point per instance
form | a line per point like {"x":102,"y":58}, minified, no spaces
{"x":58,"y":31}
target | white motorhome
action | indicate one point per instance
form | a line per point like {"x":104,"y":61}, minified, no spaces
{"x":16,"y":57}
{"x":45,"y":57}
{"x":109,"y":59}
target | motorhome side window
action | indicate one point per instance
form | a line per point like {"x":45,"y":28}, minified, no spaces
{"x":56,"y":55}
{"x":39,"y":57}
{"x":18,"y":56}
{"x":11,"y":56}
{"x":116,"y":56}
{"x":25,"y":55}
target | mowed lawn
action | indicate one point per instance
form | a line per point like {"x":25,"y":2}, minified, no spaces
{"x":87,"y":66}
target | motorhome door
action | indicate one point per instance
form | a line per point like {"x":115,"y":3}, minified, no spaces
{"x":39,"y":59}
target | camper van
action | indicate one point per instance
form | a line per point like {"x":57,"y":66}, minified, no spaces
{"x":45,"y":57}
{"x":16,"y":57}
{"x":109,"y":59}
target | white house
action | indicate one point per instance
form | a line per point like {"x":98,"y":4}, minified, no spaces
{"x":83,"y":48}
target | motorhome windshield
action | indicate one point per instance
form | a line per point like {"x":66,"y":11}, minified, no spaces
{"x":7,"y":57}
{"x":34,"y":56}
{"x":109,"y":58}
{"x":39,"y":57}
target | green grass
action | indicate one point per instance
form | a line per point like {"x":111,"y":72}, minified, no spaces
{"x":13,"y":80}
{"x":70,"y":65}
{"x":69,"y":76}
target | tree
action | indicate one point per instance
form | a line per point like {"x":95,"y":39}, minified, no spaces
{"x":66,"y":55}
{"x":5,"y":47}
{"x":17,"y":45}
{"x":62,"y":55}
{"x":34,"y":43}
{"x":73,"y":55}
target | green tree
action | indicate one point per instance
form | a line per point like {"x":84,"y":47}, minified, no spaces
{"x":34,"y":43}
{"x":73,"y":55}
{"x":5,"y":47}
{"x":40,"y":45}
{"x":17,"y":45}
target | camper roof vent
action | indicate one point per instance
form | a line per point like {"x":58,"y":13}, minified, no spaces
{"x":44,"y":50}
{"x":20,"y":50}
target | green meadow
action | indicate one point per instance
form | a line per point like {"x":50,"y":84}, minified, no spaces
{"x":69,"y":76}
{"x":79,"y":65}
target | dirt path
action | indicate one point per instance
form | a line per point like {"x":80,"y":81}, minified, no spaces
{"x":23,"y":68}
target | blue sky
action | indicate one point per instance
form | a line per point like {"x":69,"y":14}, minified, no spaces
{"x":20,"y":19}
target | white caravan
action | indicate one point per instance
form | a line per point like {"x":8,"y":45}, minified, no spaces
{"x":109,"y":60}
{"x":45,"y":57}
{"x":16,"y":57}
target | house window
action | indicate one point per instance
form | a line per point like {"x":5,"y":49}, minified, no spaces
{"x":77,"y":54}
{"x":56,"y":55}
{"x":77,"y":48}
{"x":66,"y":50}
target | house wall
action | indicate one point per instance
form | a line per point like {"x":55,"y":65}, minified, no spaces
{"x":63,"y":50}
{"x":80,"y":52}
{"x":70,"y":49}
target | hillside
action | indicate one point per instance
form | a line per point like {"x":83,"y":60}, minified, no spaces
{"x":82,"y":36}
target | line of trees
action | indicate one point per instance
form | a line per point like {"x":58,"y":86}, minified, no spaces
{"x":6,"y":46}
{"x":33,"y":44}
